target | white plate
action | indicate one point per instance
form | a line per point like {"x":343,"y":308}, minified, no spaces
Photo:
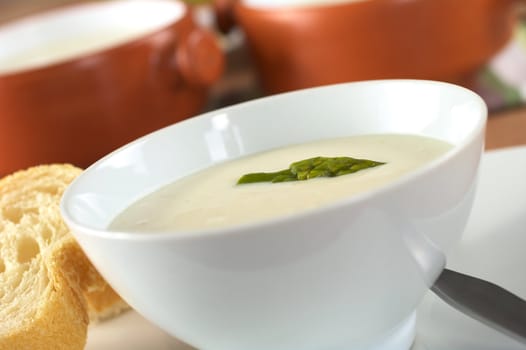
{"x":492,"y":248}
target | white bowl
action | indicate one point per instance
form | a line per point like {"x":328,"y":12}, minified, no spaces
{"x":339,"y":277}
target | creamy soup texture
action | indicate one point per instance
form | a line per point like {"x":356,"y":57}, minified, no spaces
{"x":211,"y":198}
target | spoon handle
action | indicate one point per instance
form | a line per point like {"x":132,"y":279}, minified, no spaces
{"x":483,"y":301}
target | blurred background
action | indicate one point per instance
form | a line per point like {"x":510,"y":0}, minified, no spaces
{"x":238,"y":83}
{"x":502,"y":82}
{"x":264,"y":51}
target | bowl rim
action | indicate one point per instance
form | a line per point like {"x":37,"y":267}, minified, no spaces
{"x":51,"y":14}
{"x":244,"y":228}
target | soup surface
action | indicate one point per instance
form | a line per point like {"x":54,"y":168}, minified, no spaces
{"x":212,"y":199}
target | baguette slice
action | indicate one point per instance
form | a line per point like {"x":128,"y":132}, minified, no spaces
{"x":48,"y":288}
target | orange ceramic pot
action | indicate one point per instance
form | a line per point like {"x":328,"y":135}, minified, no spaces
{"x":78,"y":107}
{"x":302,"y":46}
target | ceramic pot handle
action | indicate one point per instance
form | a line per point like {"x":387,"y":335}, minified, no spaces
{"x":199,"y":58}
{"x":224,"y":13}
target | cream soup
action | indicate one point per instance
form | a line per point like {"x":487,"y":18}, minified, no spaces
{"x":211,"y":198}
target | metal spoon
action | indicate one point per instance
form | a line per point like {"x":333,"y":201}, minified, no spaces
{"x":483,"y":301}
{"x":477,"y":298}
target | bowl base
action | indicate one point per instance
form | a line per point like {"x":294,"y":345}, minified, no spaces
{"x":401,"y":338}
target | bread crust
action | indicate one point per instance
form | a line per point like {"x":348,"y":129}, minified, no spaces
{"x":60,"y":321}
{"x":49,"y":290}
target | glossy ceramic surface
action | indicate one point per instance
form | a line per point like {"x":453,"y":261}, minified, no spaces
{"x":340,"y":277}
{"x":494,"y":236}
{"x":81,"y":106}
{"x":301,"y":44}
{"x":492,"y":248}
